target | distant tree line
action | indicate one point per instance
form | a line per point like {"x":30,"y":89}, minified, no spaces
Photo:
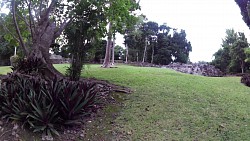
{"x":158,"y":44}
{"x":145,"y":42}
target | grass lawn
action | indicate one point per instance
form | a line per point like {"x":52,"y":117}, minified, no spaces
{"x":4,"y":70}
{"x":168,"y":105}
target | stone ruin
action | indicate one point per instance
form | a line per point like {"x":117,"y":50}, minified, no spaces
{"x":203,"y":69}
{"x":58,"y":59}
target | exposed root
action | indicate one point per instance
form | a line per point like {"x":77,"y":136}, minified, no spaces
{"x":110,"y":87}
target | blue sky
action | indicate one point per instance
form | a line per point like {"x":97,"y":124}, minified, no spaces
{"x":205,"y":22}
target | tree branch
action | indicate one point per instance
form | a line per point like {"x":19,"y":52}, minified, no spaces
{"x":24,"y":19}
{"x":17,"y":28}
{"x":10,"y":32}
{"x":45,"y":15}
{"x":31,"y":20}
{"x":61,"y":28}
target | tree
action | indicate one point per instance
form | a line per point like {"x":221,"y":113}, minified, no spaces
{"x":45,"y":21}
{"x":119,"y":53}
{"x":163,"y":52}
{"x":82,"y":33}
{"x":119,"y":16}
{"x":238,"y":51}
{"x":231,"y":57}
{"x":149,"y":31}
{"x":244,"y":6}
{"x":154,"y":44}
{"x":6,"y":51}
{"x":131,"y":33}
{"x":222,"y":58}
{"x":180,"y":47}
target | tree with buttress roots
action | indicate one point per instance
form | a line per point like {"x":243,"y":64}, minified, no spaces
{"x":45,"y":20}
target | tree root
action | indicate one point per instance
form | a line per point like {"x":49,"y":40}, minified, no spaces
{"x":108,"y":86}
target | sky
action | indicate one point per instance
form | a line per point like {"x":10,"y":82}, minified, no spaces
{"x":205,"y":22}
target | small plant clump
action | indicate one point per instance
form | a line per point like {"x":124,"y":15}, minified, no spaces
{"x":245,"y":79}
{"x":45,"y":105}
{"x":31,"y":66}
{"x":14,"y":60}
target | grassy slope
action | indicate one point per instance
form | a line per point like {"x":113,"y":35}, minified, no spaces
{"x":167,"y":105}
{"x":176,"y":106}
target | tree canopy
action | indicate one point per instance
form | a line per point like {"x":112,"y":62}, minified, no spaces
{"x":244,"y":6}
{"x":231,"y":58}
{"x":159,"y":44}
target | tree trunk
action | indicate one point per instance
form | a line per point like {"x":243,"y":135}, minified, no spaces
{"x":145,"y":50}
{"x":45,"y":31}
{"x":137,"y":57}
{"x":113,"y":52}
{"x":41,"y":51}
{"x":126,"y":53}
{"x":43,"y":37}
{"x":242,"y":66}
{"x":106,"y":63}
{"x":153,"y":52}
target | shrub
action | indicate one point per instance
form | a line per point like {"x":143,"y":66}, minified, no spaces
{"x":14,"y":60}
{"x":245,"y":79}
{"x":45,"y":105}
{"x":31,"y":65}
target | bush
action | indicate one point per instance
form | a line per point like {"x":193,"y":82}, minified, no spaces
{"x":45,"y":105}
{"x":14,"y":60}
{"x":245,"y":79}
{"x":31,"y":66}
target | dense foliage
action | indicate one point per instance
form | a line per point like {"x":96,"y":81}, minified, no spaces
{"x":232,"y":57}
{"x":244,"y":8}
{"x":245,"y":79}
{"x":159,"y":44}
{"x":45,"y":105}
{"x":81,"y":34}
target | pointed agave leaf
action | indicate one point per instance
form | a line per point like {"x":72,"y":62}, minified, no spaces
{"x":37,"y":108}
{"x":54,"y":131}
{"x":71,"y":122}
{"x":35,"y":118}
{"x":39,"y":128}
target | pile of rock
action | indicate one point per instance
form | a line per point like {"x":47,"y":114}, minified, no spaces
{"x":196,"y":68}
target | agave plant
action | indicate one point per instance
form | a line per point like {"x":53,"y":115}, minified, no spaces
{"x":31,"y":65}
{"x":44,"y":105}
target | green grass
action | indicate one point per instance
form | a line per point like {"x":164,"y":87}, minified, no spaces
{"x":168,"y":105}
{"x":4,"y":70}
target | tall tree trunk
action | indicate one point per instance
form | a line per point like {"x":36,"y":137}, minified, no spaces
{"x":137,"y":57}
{"x":106,"y":63}
{"x":113,"y":52}
{"x":145,"y":50}
{"x":242,"y":66}
{"x":126,"y":53}
{"x":153,"y":52}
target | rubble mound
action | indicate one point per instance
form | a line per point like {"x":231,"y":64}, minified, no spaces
{"x":203,"y":69}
